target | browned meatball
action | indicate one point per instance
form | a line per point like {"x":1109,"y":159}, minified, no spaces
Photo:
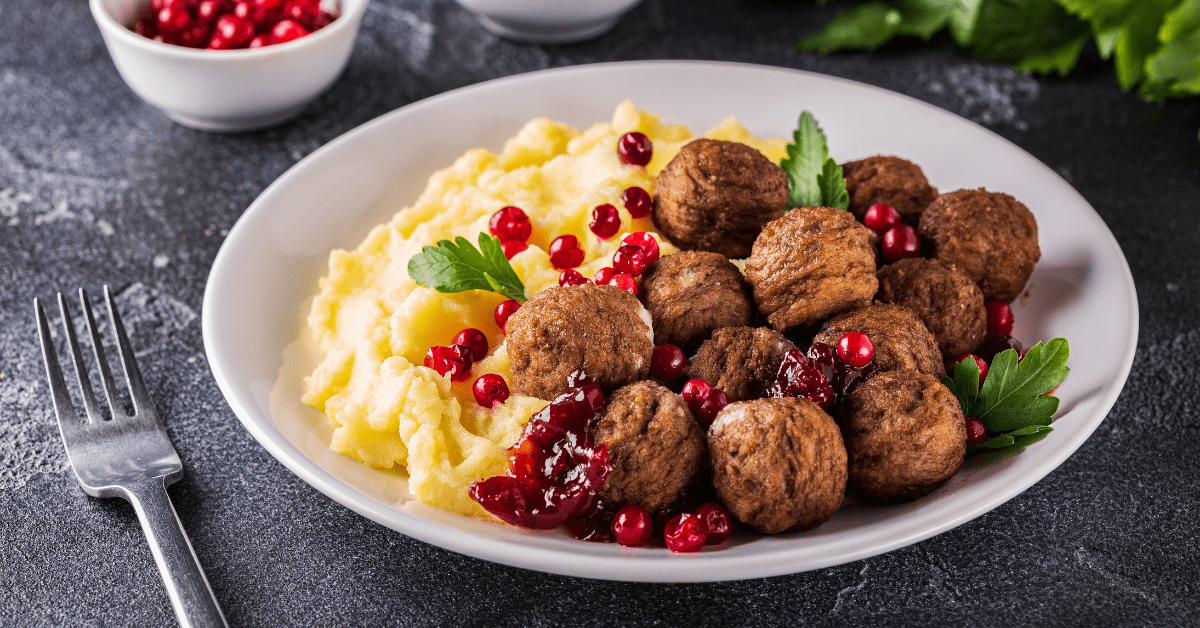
{"x":742,"y":361}
{"x":655,"y":446}
{"x":991,"y":237}
{"x":890,"y":180}
{"x":778,"y":464}
{"x":947,"y":302}
{"x":603,"y":330}
{"x":811,"y":263}
{"x":716,"y":196}
{"x":901,"y":340}
{"x":905,"y":434}
{"x":691,"y":293}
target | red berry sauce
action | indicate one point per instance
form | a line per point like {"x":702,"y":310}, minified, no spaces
{"x":822,"y":376}
{"x":635,"y":149}
{"x":555,"y":471}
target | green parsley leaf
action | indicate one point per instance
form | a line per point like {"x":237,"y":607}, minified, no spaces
{"x":458,"y":266}
{"x":1014,"y":393}
{"x":814,"y":178}
{"x":964,"y":383}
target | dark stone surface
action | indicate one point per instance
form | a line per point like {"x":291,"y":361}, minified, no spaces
{"x":98,"y":187}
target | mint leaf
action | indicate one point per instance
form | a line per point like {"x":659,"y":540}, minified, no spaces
{"x":1012,"y":395}
{"x":458,"y":266}
{"x":833,"y":186}
{"x":805,"y":157}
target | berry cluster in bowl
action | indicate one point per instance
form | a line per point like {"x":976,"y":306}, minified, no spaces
{"x":230,"y":25}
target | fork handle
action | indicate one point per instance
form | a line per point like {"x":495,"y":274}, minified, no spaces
{"x":191,"y":596}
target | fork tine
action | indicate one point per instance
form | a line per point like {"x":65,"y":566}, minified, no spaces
{"x":106,"y":377}
{"x":63,"y":408}
{"x":85,"y":384}
{"x":137,"y":388}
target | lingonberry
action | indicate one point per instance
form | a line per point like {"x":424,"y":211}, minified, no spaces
{"x":474,"y":340}
{"x":635,"y":149}
{"x":505,"y":310}
{"x":605,"y":221}
{"x":637,"y":202}
{"x":625,"y":282}
{"x":236,"y":31}
{"x":712,"y":406}
{"x":983,"y":366}
{"x":288,"y":30}
{"x":509,"y":247}
{"x":195,"y":36}
{"x":565,"y":252}
{"x":667,"y":362}
{"x":716,"y":523}
{"x":855,"y":349}
{"x":510,"y":223}
{"x":209,"y":10}
{"x":881,"y":217}
{"x":901,"y":241}
{"x":454,"y":360}
{"x":976,"y":431}
{"x":173,"y":18}
{"x":490,"y":390}
{"x":644,"y":241}
{"x":259,"y":41}
{"x":571,"y":277}
{"x":999,"y":318}
{"x":251,"y":11}
{"x":695,"y":392}
{"x":604,"y":275}
{"x":630,"y":259}
{"x":685,"y":532}
{"x":632,"y":526}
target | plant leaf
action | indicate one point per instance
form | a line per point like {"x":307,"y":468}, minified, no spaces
{"x":804,"y":163}
{"x":833,"y":186}
{"x":964,"y":383}
{"x":458,"y":266}
{"x":1013,"y":394}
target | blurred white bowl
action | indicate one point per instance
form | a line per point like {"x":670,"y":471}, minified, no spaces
{"x":227,"y":90}
{"x":549,"y":21}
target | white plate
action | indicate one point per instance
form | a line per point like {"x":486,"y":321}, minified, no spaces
{"x":255,"y":301}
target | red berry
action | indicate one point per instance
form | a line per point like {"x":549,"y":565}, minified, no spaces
{"x":999,"y":318}
{"x":270,"y":5}
{"x":474,"y":340}
{"x":632,"y":526}
{"x":637,"y":202}
{"x":979,"y":362}
{"x":510,"y":247}
{"x":510,"y":223}
{"x":234,"y":30}
{"x":454,"y":360}
{"x":209,"y":10}
{"x":712,"y":406}
{"x":667,"y":362}
{"x":565,"y":252}
{"x":630,"y":259}
{"x":685,"y":533}
{"x":195,"y":36}
{"x":901,"y":241}
{"x":173,"y":18}
{"x":289,"y":30}
{"x":571,"y":277}
{"x":505,"y":310}
{"x":855,"y":349}
{"x":716,"y":523}
{"x":605,"y":221}
{"x":696,"y":392}
{"x":880,"y":218}
{"x":644,"y":241}
{"x":251,"y":11}
{"x":490,"y":390}
{"x":604,"y":275}
{"x":635,"y":149}
{"x":624,"y":282}
{"x":307,"y":13}
{"x":976,"y":431}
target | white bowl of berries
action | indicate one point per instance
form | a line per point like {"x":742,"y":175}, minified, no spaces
{"x":229,"y":65}
{"x":549,"y":21}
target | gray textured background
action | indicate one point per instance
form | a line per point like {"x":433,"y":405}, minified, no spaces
{"x":97,"y":187}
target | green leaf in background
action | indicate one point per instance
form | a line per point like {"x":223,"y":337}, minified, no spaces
{"x":1030,"y":34}
{"x":457,"y":266}
{"x":804,"y":162}
{"x":833,"y":185}
{"x":873,"y":24}
{"x":1014,"y":393}
{"x":1174,"y":70}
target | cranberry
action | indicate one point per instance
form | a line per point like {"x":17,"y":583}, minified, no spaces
{"x":236,"y":31}
{"x":510,"y":247}
{"x":173,"y":18}
{"x":685,"y":533}
{"x":288,"y":30}
{"x":635,"y":149}
{"x":637,"y":202}
{"x":259,"y":41}
{"x":571,"y":277}
{"x":855,"y":349}
{"x":713,"y":406}
{"x":195,"y":36}
{"x":146,"y":27}
{"x":217,"y":42}
{"x":716,"y":523}
{"x":976,"y":431}
{"x":510,"y":223}
{"x":881,"y":217}
{"x":901,"y":241}
{"x":999,"y":318}
{"x":209,"y":10}
{"x":667,"y":362}
{"x":646,"y":242}
{"x":454,"y":360}
{"x":307,"y":12}
{"x":805,"y":377}
{"x":630,"y":259}
{"x":605,"y":221}
{"x":490,"y":390}
{"x":696,"y":392}
{"x":565,"y":252}
{"x":983,"y":366}
{"x":475,"y":341}
{"x":632,"y":526}
{"x":604,"y":275}
{"x":505,"y":310}
{"x":251,"y":11}
{"x":625,"y":282}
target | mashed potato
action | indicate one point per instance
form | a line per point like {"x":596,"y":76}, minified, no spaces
{"x":374,"y":324}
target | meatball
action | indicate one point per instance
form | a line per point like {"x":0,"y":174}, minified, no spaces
{"x":901,"y":340}
{"x":811,"y":263}
{"x":947,"y":302}
{"x":742,"y":361}
{"x":905,"y":434}
{"x":655,"y":446}
{"x":603,"y":330}
{"x":778,"y":464}
{"x":691,"y":293}
{"x":716,"y":196}
{"x":889,"y":180}
{"x":991,"y":237}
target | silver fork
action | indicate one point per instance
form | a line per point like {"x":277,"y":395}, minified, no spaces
{"x":127,"y":456}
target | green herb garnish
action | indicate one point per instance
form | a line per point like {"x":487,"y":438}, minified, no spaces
{"x":458,"y":266}
{"x":814,"y":178}
{"x":1012,"y":401}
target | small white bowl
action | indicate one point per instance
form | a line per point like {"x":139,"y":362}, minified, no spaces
{"x":549,"y":21}
{"x":227,"y":90}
